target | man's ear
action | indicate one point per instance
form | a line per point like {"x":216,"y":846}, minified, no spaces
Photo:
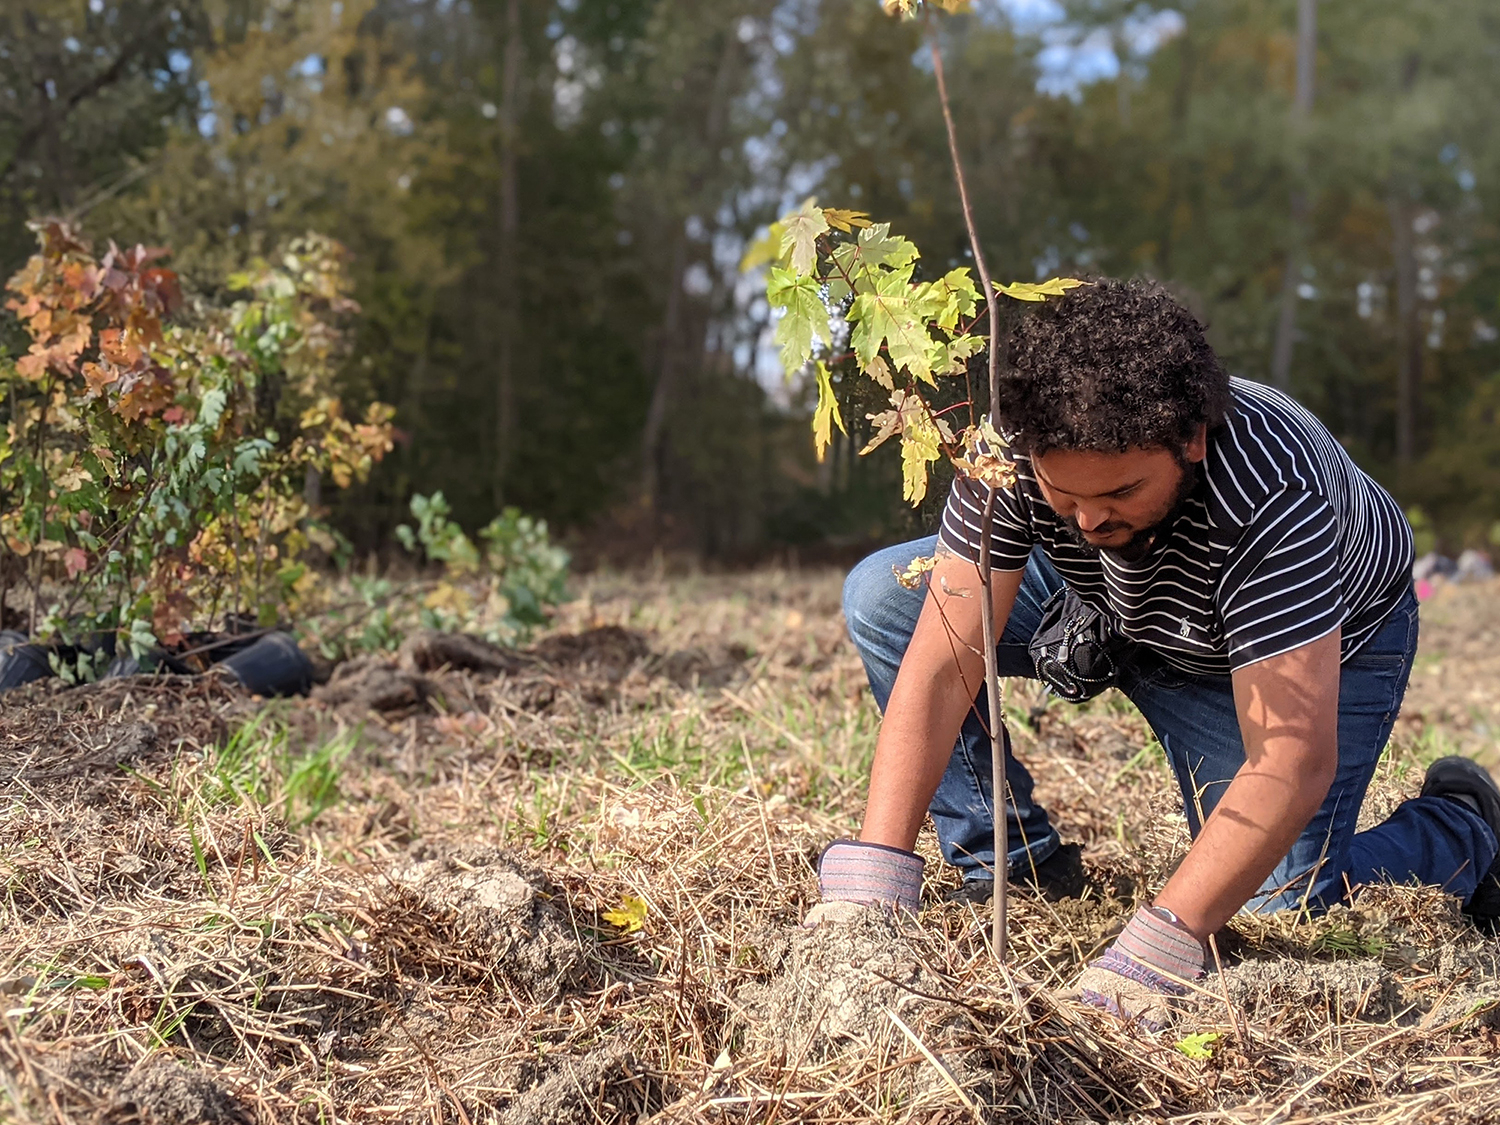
{"x":1197,"y":446}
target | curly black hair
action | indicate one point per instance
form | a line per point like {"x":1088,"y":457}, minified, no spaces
{"x":1110,"y":366}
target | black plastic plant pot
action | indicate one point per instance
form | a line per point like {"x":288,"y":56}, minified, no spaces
{"x":22,"y":662}
{"x":273,"y":665}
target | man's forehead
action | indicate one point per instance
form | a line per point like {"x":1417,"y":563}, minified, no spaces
{"x":1094,"y":473}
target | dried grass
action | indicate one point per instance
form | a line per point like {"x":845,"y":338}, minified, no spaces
{"x":432,"y":947}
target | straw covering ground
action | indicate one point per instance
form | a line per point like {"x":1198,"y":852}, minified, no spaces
{"x":564,"y":886}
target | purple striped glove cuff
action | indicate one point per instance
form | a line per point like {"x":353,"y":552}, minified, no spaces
{"x":871,"y":874}
{"x":1142,"y":972}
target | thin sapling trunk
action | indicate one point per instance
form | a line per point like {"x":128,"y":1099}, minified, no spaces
{"x":1000,"y":802}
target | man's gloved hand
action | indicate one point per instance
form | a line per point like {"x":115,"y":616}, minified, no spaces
{"x":1138,"y":976}
{"x":853,"y":875}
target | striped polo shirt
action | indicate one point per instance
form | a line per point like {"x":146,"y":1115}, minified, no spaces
{"x":1284,"y":539}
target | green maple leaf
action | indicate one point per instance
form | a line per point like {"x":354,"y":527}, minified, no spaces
{"x":806,"y":317}
{"x":799,"y":237}
{"x":1039,"y":290}
{"x":947,"y":358}
{"x":889,"y":316}
{"x":827,"y":414}
{"x":860,"y":262}
{"x":1200,"y":1045}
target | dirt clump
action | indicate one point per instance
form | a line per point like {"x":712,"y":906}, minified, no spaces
{"x":504,"y":907}
{"x":432,"y":651}
{"x":373,"y":684}
{"x":703,"y":666}
{"x":162,"y":1091}
{"x":831,"y":986}
{"x":572,"y":1087}
{"x":608,"y":651}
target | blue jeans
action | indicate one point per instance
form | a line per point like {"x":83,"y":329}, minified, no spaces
{"x":1426,"y":840}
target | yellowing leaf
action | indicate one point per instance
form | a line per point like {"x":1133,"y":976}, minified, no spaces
{"x":1039,"y":290}
{"x":845,"y":221}
{"x":1200,"y":1045}
{"x":800,"y":237}
{"x":911,"y":577}
{"x":630,"y":915}
{"x":806,"y":317}
{"x":919,"y":448}
{"x":899,"y":7}
{"x":766,"y":248}
{"x":880,"y":371}
{"x":827,"y":413}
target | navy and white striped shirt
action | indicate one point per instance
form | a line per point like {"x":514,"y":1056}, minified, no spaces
{"x":1284,"y":539}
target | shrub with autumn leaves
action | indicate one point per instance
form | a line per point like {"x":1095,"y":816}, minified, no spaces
{"x":155,"y":461}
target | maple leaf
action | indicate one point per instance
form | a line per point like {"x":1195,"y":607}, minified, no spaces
{"x":889,"y":422}
{"x":919,"y":448}
{"x":948,"y":357}
{"x":765,"y":249}
{"x":911,"y":577}
{"x":1199,"y":1045}
{"x":630,"y":915}
{"x":827,"y":414}
{"x":1039,"y":290}
{"x":880,"y":371}
{"x":805,"y":319}
{"x":76,"y":560}
{"x":980,"y":460}
{"x":845,"y":221}
{"x":800,"y":237}
{"x":888,"y":316}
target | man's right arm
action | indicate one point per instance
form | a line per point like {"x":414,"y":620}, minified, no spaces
{"x":940,"y":675}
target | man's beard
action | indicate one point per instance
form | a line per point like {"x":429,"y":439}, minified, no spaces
{"x":1139,"y":545}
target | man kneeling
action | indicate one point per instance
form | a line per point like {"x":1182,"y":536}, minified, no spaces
{"x":1259,"y":586}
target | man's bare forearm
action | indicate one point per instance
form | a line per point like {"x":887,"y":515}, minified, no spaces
{"x":940,"y":675}
{"x":1288,"y":712}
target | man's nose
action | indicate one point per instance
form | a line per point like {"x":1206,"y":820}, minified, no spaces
{"x":1091,"y":516}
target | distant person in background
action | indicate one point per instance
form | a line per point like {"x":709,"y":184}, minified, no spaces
{"x":1255,"y":589}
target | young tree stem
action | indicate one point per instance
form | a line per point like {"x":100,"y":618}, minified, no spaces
{"x":1001,"y":800}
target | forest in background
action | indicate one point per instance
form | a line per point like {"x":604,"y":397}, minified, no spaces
{"x":547,"y":203}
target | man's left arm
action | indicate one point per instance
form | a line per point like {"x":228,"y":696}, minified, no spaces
{"x":1288,"y":709}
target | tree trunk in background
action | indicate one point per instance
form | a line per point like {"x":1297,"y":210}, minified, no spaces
{"x":655,"y":431}
{"x":661,"y":393}
{"x":509,"y":224}
{"x":1408,"y":328}
{"x":1286,"y":321}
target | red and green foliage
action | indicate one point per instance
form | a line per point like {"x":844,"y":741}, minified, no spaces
{"x":153,"y":470}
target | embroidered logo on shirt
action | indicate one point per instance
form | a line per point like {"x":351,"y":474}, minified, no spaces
{"x":1185,"y":629}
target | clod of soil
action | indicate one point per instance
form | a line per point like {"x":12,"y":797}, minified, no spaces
{"x":430,"y":651}
{"x":832,"y":985}
{"x":502,"y":905}
{"x":162,"y":1091}
{"x":609,"y":651}
{"x":568,"y":1094}
{"x":372,"y":684}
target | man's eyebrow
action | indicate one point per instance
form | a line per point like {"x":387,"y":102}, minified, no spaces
{"x":1124,"y":488}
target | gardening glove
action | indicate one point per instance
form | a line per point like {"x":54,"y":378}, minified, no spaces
{"x":1139,"y":975}
{"x":853,"y":875}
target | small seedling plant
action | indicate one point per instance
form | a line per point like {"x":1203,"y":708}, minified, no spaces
{"x":851,"y":305}
{"x":155,"y":461}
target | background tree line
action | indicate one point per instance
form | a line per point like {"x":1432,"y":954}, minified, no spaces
{"x":547,"y":202}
